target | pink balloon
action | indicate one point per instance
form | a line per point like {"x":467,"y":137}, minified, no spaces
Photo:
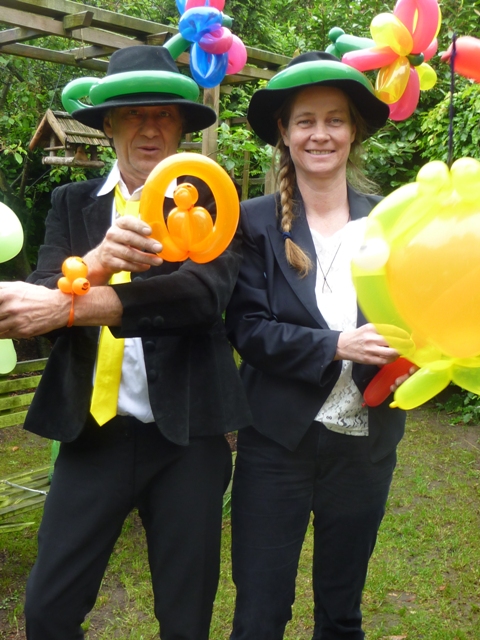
{"x":217,"y":4}
{"x":218,"y":41}
{"x":427,"y":21}
{"x":403,"y":108}
{"x":431,"y":50}
{"x":367,"y":59}
{"x":237,"y":56}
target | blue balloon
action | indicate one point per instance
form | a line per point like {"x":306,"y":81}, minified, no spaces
{"x":181,"y":5}
{"x":198,"y":21}
{"x":208,"y":69}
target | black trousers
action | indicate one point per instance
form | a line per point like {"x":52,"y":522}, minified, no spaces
{"x":274,"y":493}
{"x":98,"y":480}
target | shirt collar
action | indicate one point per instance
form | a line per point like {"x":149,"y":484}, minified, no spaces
{"x":115,"y":178}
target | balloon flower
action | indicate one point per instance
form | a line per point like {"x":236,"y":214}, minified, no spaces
{"x":11,"y":241}
{"x":189,"y":231}
{"x":417,"y":275}
{"x":402,"y":43}
{"x":214,"y":49}
{"x":467,"y":57}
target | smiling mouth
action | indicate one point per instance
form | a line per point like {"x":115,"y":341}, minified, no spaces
{"x":315,"y":152}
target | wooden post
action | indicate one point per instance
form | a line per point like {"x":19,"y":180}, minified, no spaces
{"x":269,"y":182}
{"x":246,"y":170}
{"x":211,"y":98}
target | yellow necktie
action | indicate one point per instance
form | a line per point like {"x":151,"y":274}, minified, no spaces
{"x":110,"y":350}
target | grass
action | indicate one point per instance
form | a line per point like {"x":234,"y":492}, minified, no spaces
{"x":424,"y":578}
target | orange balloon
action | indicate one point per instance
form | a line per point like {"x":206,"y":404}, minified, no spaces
{"x":65,"y":285}
{"x":80,"y":286}
{"x":191,"y":232}
{"x":74,"y":267}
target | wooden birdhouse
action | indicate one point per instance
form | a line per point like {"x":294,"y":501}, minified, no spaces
{"x":68,"y":142}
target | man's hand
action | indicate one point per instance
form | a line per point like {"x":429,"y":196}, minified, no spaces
{"x":28,"y":310}
{"x":126,"y":247}
{"x":365,"y":346}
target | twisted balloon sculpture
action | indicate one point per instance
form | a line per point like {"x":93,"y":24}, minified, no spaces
{"x":401,"y":44}
{"x":214,"y":49}
{"x":417,"y":276}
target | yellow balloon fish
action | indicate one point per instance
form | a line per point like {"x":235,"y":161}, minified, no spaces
{"x":417,"y":277}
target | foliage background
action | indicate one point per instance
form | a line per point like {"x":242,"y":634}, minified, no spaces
{"x":28,"y":88}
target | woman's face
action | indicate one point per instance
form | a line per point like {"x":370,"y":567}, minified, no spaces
{"x":319,"y":133}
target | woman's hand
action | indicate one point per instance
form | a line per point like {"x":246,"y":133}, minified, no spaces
{"x":365,"y":346}
{"x":401,"y":379}
{"x":126,"y":247}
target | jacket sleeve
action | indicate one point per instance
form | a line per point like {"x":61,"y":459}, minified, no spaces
{"x":264,"y":339}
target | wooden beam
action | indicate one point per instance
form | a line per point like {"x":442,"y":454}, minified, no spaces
{"x":211,"y":98}
{"x":55,"y":28}
{"x":84,"y":53}
{"x":78,"y":20}
{"x":18,"y":34}
{"x":48,"y":55}
{"x":157,"y":39}
{"x":102,"y":19}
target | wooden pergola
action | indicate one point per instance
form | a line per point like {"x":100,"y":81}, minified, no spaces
{"x":94,"y":34}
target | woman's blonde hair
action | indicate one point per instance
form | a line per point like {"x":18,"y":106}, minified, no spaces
{"x":286,"y":181}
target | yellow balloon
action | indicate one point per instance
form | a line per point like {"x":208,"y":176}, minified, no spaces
{"x":392,"y":80}
{"x":388,"y":31}
{"x":427,"y":75}
{"x":421,"y":387}
{"x":419,"y":270}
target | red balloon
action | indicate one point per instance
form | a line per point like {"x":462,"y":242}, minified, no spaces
{"x":379,"y":388}
{"x":467,"y":57}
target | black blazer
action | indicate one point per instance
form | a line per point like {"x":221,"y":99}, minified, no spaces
{"x":176,"y":309}
{"x":287,"y":348}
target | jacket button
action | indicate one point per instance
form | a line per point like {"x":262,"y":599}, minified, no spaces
{"x":158,"y":322}
{"x":149,"y":346}
{"x":144,"y":323}
{"x":151,"y":375}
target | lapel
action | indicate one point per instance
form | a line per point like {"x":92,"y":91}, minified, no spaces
{"x":304,"y":288}
{"x":97,"y":217}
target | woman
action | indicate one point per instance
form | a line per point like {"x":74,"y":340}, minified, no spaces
{"x":308,"y":354}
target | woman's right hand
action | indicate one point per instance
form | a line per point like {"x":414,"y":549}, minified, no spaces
{"x":365,"y":346}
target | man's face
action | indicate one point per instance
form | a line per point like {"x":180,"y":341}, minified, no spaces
{"x":143,"y":137}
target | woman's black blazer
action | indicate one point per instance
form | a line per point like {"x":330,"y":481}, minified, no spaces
{"x":286,"y":346}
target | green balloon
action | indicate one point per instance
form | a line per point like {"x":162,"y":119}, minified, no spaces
{"x":8,"y":357}
{"x":11,"y":234}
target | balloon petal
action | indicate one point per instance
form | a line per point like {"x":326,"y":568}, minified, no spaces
{"x":237,"y":56}
{"x":218,"y":41}
{"x":406,"y":105}
{"x":367,"y":59}
{"x":217,"y":4}
{"x":427,"y":76}
{"x":388,"y":31}
{"x":197,"y":22}
{"x":392,"y":81}
{"x":208,"y":69}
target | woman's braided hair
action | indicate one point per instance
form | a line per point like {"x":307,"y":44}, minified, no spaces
{"x":286,"y":181}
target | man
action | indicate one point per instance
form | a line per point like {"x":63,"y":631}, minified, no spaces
{"x":163,"y":451}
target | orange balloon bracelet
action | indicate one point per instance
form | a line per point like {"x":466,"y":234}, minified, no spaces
{"x":74,"y":281}
{"x":190,"y":231}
